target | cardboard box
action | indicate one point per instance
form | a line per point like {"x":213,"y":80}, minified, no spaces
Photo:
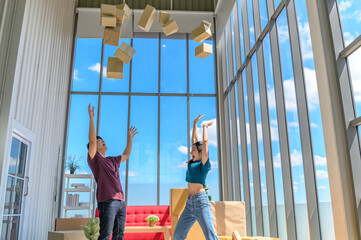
{"x":257,"y":238}
{"x":67,"y":235}
{"x":170,"y":28}
{"x":203,"y":50}
{"x":120,"y":16}
{"x":108,"y":21}
{"x":125,"y":53}
{"x":208,"y":24}
{"x":225,"y":238}
{"x":147,"y":18}
{"x":112,"y":35}
{"x":164,"y":17}
{"x":114,"y":68}
{"x":201,"y":33}
{"x":126,"y":9}
{"x":63,"y":224}
{"x":107,"y":9}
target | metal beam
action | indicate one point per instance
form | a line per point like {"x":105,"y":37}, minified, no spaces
{"x":266,"y":132}
{"x":282,"y":125}
{"x":305,"y":126}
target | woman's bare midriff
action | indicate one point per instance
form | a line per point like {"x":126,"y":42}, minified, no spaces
{"x":194,"y":188}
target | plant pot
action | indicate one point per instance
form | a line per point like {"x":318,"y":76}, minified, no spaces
{"x":72,"y":171}
{"x":152,"y":223}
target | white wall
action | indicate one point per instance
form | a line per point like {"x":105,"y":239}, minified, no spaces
{"x":39,"y":103}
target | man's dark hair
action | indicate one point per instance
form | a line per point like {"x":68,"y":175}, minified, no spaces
{"x":98,"y":137}
{"x":198,"y":145}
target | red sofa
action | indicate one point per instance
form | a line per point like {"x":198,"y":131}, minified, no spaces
{"x":136,"y":217}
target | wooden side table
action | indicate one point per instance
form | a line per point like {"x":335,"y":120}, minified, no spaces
{"x":140,"y":229}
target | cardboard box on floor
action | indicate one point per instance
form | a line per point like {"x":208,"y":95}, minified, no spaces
{"x":147,"y":18}
{"x":67,"y":235}
{"x":228,"y":216}
{"x":64,"y":224}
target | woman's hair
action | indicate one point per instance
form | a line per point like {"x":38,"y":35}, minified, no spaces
{"x":198,"y":145}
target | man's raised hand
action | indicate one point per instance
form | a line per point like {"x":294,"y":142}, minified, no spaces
{"x":132,"y":131}
{"x":91,"y":111}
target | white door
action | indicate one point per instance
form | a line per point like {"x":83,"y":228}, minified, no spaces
{"x":16,"y":188}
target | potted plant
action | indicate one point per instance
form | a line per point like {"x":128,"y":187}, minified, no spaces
{"x":73,"y":164}
{"x":206,"y":188}
{"x":91,"y":229}
{"x":152,"y":220}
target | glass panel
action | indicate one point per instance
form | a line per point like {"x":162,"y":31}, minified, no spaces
{"x":354,"y":64}
{"x":233,"y":49}
{"x":281,"y":217}
{"x":263,"y":13}
{"x":207,"y":107}
{"x":14,"y":155}
{"x":18,"y":196}
{"x":350,"y":11}
{"x":145,"y":65}
{"x":78,"y":133}
{"x":22,"y":159}
{"x":10,"y":228}
{"x":173,"y":145}
{"x":302,"y":224}
{"x":201,"y":71}
{"x":113,"y":128}
{"x":173,"y":65}
{"x":324,"y":197}
{"x":241,"y":29}
{"x":251,"y":25}
{"x":227,"y":57}
{"x":9,"y":195}
{"x":115,"y":85}
{"x":277,"y":2}
{"x":260,"y":147}
{"x":239,"y":139}
{"x":87,"y":65}
{"x":143,"y":160}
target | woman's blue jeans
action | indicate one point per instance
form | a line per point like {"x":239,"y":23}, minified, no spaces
{"x":197,"y":208}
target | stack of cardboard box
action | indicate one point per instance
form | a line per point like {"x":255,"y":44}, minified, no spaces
{"x":201,"y":33}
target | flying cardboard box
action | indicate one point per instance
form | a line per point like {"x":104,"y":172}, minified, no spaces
{"x":164,"y":17}
{"x":120,"y":16}
{"x":201,"y":33}
{"x":170,"y":28}
{"x":126,"y":9}
{"x":125,"y":53}
{"x":107,"y":9}
{"x":147,"y":18}
{"x":115,"y":68}
{"x":112,"y":35}
{"x":108,"y":21}
{"x":203,"y":50}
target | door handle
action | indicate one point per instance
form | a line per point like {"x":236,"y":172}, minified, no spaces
{"x":27,"y":186}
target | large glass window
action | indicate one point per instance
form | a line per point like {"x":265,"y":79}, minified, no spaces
{"x":152,"y":96}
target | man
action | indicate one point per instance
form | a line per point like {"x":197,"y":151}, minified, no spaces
{"x":110,"y":195}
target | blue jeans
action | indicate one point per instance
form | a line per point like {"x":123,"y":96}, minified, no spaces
{"x":112,"y":215}
{"x":197,"y":208}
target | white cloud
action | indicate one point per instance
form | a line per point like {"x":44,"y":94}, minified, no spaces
{"x":264,"y":190}
{"x":320,"y":161}
{"x":76,"y":75}
{"x":321,"y":174}
{"x":183,"y":149}
{"x":296,"y":160}
{"x":344,"y":5}
{"x":182,"y":166}
{"x":130,"y":173}
{"x":96,"y":68}
{"x":322,"y":187}
{"x":305,"y":39}
{"x":295,"y":188}
{"x":293,"y":124}
{"x":283,"y":33}
{"x":212,"y":132}
{"x":314,"y":125}
{"x":354,"y":64}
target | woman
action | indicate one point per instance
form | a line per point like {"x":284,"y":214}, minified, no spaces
{"x":197,"y":207}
